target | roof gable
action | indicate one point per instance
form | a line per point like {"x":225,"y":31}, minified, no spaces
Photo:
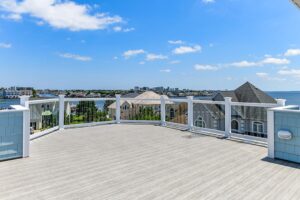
{"x":245,"y":93}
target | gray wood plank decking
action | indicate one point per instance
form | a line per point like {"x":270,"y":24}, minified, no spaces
{"x":145,"y":162}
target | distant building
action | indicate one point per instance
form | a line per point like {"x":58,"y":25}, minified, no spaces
{"x":158,"y":89}
{"x":136,"y":89}
{"x":1,"y":93}
{"x":130,"y":108}
{"x":16,"y":92}
{"x":244,"y":120}
{"x":43,"y":116}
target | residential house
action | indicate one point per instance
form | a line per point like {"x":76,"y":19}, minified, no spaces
{"x":244,"y":120}
{"x":43,"y":116}
{"x":131,"y":109}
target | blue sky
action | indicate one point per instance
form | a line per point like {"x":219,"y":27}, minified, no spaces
{"x":113,"y":44}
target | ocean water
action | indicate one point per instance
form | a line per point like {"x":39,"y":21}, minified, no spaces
{"x":292,"y":98}
{"x":5,"y":103}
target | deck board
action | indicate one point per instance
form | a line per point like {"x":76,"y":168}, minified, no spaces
{"x":145,"y":162}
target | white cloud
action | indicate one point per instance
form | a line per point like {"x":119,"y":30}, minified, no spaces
{"x":262,"y":74}
{"x":205,"y":68}
{"x":60,"y":14}
{"x":126,"y":30}
{"x":75,"y":57}
{"x":142,"y":62}
{"x":176,"y":42}
{"x":275,"y":61}
{"x":290,"y":72}
{"x":244,"y":64}
{"x":115,"y":57}
{"x":120,"y":29}
{"x":130,"y":53}
{"x":117,"y":28}
{"x":166,"y":70}
{"x":265,"y":61}
{"x":292,"y":52}
{"x":12,"y":16}
{"x":208,"y":1}
{"x":153,"y":57}
{"x":266,"y":76}
{"x":187,"y":49}
{"x":174,"y":62}
{"x":40,"y":23}
{"x":5,"y":45}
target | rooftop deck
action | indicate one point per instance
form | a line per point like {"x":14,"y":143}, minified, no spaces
{"x":145,"y":162}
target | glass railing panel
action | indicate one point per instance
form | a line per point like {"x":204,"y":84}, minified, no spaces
{"x":250,"y":121}
{"x":177,"y":112}
{"x":209,"y":116}
{"x":43,"y":116}
{"x":81,"y":112}
{"x":143,"y":110}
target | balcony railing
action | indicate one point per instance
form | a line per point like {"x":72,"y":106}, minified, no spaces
{"x":242,"y":121}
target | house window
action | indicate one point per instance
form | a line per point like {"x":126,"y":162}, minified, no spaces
{"x":234,"y":125}
{"x":200,"y":122}
{"x":258,"y":127}
{"x":172,"y":113}
{"x":125,"y":107}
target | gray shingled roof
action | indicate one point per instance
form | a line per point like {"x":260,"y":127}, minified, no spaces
{"x":248,"y":93}
{"x":297,"y":2}
{"x":130,"y":95}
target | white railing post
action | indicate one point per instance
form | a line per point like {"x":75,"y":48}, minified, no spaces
{"x":24,"y":101}
{"x":281,"y":102}
{"x":118,"y":108}
{"x":190,"y":112}
{"x":228,"y":116}
{"x":163,"y":110}
{"x":61,"y":112}
{"x":270,"y":120}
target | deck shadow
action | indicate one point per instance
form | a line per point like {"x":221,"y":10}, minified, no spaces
{"x":282,"y":162}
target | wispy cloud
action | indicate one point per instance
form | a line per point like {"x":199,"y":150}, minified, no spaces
{"x":166,"y":70}
{"x":275,"y":61}
{"x":60,"y":14}
{"x":12,"y":16}
{"x":290,"y":72}
{"x":75,"y":57}
{"x":131,"y":53}
{"x":174,"y":62}
{"x":244,"y":63}
{"x":5,"y":45}
{"x":153,"y":57}
{"x":265,"y":61}
{"x":187,"y":49}
{"x":121,"y":29}
{"x":126,"y":30}
{"x":205,"y":68}
{"x":208,"y":1}
{"x":266,"y":76}
{"x":176,"y":42}
{"x":292,"y":52}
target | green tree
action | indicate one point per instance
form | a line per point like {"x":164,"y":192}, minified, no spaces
{"x":88,"y":110}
